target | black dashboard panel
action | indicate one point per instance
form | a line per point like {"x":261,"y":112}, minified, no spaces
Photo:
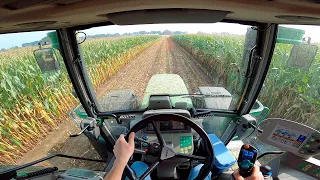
{"x":168,"y":127}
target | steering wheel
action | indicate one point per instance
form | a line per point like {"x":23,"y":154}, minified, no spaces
{"x":164,"y":152}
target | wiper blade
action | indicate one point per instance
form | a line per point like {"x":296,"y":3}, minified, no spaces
{"x":217,"y":112}
{"x":37,"y":173}
{"x":197,"y":95}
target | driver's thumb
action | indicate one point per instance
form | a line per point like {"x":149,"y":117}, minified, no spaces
{"x":131,"y":139}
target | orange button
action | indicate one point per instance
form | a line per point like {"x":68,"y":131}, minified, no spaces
{"x":246,"y":146}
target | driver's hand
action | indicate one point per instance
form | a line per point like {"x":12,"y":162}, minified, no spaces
{"x":123,"y":150}
{"x":256,"y":174}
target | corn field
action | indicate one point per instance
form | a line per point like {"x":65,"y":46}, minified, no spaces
{"x":222,"y":55}
{"x":33,"y":104}
{"x":290,"y":93}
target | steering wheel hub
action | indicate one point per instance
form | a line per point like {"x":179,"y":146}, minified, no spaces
{"x":167,"y":152}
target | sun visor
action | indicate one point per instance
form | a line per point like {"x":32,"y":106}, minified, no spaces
{"x":155,"y":16}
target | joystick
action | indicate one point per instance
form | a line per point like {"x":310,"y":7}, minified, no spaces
{"x":247,"y":158}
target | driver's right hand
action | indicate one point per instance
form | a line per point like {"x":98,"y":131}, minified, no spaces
{"x":256,"y":174}
{"x":123,"y":150}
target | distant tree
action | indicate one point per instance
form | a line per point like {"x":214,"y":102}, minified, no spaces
{"x":34,"y":43}
{"x":177,"y":32}
{"x":155,"y":32}
{"x":3,"y":49}
{"x":143,"y":32}
{"x":167,"y":32}
{"x":200,"y":32}
{"x":225,"y":33}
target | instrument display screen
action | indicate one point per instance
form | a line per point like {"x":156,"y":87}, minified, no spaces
{"x":288,"y":136}
{"x":168,"y":126}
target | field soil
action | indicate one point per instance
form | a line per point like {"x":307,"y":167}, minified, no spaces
{"x":163,"y":57}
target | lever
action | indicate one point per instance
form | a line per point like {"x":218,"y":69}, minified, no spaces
{"x":79,"y":133}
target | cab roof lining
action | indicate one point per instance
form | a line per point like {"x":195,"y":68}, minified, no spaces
{"x":69,"y":13}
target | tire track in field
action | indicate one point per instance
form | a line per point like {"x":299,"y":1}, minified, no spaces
{"x":192,"y":72}
{"x":137,"y":73}
{"x":163,"y":57}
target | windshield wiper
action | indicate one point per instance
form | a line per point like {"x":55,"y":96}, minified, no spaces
{"x":197,"y":95}
{"x":221,"y":113}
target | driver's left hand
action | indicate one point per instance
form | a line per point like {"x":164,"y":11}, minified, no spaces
{"x":123,"y":150}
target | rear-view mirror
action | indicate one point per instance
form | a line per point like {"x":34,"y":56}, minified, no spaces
{"x":47,"y":60}
{"x":302,"y":56}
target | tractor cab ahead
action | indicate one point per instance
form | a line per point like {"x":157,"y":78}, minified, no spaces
{"x":206,"y":90}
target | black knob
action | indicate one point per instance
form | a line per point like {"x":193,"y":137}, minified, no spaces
{"x":265,"y":169}
{"x":311,"y":151}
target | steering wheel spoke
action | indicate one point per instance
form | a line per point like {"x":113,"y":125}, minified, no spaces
{"x":139,"y":151}
{"x":149,"y":170}
{"x":191,"y":157}
{"x":131,"y":174}
{"x":158,"y":134}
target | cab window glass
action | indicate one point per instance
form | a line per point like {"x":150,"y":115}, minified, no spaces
{"x":36,"y":99}
{"x":291,"y":89}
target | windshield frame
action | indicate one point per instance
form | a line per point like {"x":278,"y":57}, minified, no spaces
{"x":84,"y":90}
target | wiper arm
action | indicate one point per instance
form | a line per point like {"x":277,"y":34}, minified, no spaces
{"x":217,"y":112}
{"x":197,"y":95}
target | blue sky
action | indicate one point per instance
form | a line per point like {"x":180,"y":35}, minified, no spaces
{"x":16,"y":39}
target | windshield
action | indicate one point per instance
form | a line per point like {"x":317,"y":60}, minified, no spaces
{"x":131,"y":63}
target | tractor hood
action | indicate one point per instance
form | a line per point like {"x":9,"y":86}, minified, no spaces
{"x":166,"y":84}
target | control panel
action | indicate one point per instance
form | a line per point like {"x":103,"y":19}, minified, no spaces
{"x":312,"y":145}
{"x":290,"y":136}
{"x":181,"y":142}
{"x":186,"y":144}
{"x":168,"y":127}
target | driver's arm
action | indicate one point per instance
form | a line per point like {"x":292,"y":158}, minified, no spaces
{"x":122,"y":150}
{"x":256,"y":174}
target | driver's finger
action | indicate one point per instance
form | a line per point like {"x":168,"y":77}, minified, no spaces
{"x":121,"y":137}
{"x":237,"y":175}
{"x":256,"y":169}
{"x":131,"y":139}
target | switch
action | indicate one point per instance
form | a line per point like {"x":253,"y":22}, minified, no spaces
{"x":145,"y":137}
{"x":307,"y":145}
{"x":311,"y":151}
{"x":246,"y":164}
{"x":246,"y":146}
{"x":144,"y":144}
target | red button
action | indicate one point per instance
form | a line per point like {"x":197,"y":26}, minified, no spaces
{"x":246,"y":146}
{"x":318,"y":140}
